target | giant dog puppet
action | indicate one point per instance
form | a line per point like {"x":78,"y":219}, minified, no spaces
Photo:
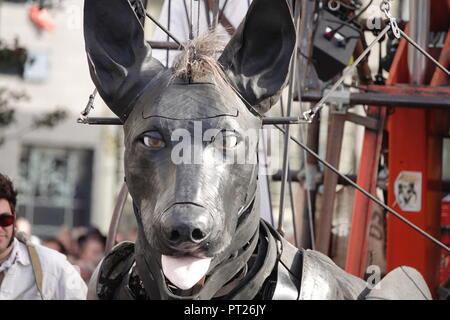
{"x":200,"y":235}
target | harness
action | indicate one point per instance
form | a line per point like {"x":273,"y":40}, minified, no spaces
{"x":35,"y":261}
{"x":251,"y":274}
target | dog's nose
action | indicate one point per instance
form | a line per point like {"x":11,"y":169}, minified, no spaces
{"x":183,"y":224}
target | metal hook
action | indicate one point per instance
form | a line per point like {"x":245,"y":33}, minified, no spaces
{"x":385,"y":7}
{"x":336,"y":6}
{"x":89,"y":106}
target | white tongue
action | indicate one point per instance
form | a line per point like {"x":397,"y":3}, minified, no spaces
{"x":184,"y":272}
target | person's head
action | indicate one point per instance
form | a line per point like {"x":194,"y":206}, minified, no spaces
{"x":55,"y":244}
{"x":8,"y":199}
{"x":92,"y":248}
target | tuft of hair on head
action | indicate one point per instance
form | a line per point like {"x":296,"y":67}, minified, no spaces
{"x":199,"y":59}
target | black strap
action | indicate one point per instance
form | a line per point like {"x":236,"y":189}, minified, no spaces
{"x":260,"y":270}
{"x":35,"y":261}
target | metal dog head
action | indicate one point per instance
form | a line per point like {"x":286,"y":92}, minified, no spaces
{"x":189,"y":207}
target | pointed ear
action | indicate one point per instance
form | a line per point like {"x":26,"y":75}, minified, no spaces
{"x":120,"y":61}
{"x":258,"y":56}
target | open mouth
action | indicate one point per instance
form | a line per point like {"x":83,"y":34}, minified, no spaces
{"x":184,"y":271}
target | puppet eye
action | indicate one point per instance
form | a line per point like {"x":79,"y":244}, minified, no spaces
{"x":226,"y":140}
{"x":153,"y":140}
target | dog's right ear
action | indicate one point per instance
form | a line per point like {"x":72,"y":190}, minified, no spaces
{"x":257,"y":58}
{"x":120,"y":61}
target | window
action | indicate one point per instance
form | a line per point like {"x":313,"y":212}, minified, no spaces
{"x":55,"y":187}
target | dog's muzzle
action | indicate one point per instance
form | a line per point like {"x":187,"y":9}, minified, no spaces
{"x":186,"y":227}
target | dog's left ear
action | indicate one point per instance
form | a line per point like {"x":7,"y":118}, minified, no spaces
{"x":257,"y":58}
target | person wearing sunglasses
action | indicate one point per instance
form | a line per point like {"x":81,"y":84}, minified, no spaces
{"x":29,"y":271}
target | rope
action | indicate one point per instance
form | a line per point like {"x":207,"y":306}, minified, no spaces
{"x":367,"y":194}
{"x":426,"y":54}
{"x":198,"y":17}
{"x":311,"y":113}
{"x":287,"y":135}
{"x":164,"y":29}
{"x":169,"y":12}
{"x":191,"y":26}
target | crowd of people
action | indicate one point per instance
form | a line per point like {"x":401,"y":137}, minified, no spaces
{"x":84,"y":247}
